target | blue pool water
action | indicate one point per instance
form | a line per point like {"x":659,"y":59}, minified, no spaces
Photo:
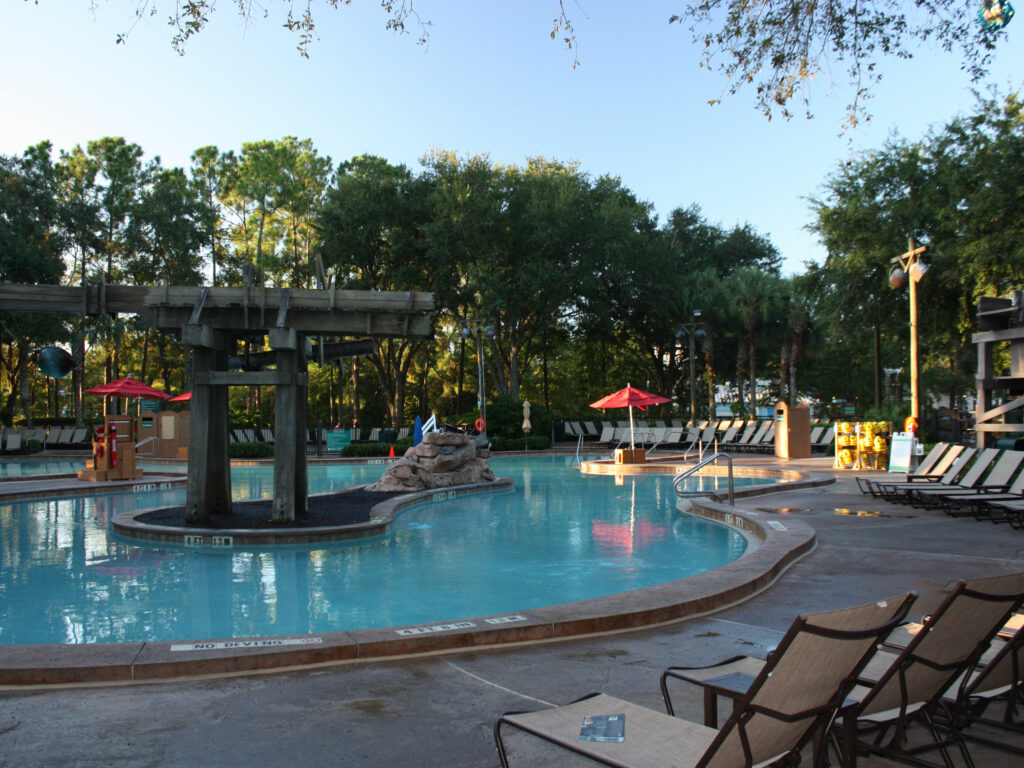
{"x":558,"y":537}
{"x":48,"y":467}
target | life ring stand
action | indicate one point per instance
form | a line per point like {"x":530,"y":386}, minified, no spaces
{"x":480,"y":425}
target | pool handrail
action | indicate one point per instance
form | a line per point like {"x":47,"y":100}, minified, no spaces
{"x":147,"y":440}
{"x":698,"y":466}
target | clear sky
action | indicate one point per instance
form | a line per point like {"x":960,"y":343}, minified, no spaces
{"x":491,"y":81}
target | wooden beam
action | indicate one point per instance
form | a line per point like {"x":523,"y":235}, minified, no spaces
{"x":1006,"y":334}
{"x":283,"y":338}
{"x":1000,"y":410}
{"x":248,"y":378}
{"x":995,"y":427}
{"x":203,"y":336}
{"x":331,"y":312}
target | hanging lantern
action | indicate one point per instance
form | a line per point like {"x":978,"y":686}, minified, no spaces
{"x":917,"y":271}
{"x":55,"y":362}
{"x":995,"y":14}
{"x":898,"y":278}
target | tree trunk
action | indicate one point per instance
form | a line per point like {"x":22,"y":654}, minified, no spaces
{"x":741,"y":375}
{"x":787,"y":350}
{"x":878,"y":366}
{"x":462,"y":374}
{"x":794,"y":362}
{"x":753,"y":381}
{"x":78,"y":381}
{"x":547,"y":394}
{"x":709,"y":357}
{"x":25,"y":388}
{"x":356,"y":405}
{"x":144,"y":364}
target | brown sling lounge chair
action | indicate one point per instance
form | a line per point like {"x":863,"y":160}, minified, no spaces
{"x":908,"y":687}
{"x":793,"y":697}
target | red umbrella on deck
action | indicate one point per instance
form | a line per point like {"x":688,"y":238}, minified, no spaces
{"x":182,"y":398}
{"x":128,"y":387}
{"x":627,"y":398}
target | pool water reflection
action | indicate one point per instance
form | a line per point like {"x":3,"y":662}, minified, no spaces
{"x":558,"y":537}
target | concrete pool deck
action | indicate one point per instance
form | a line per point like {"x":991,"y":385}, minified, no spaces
{"x":438,"y":710}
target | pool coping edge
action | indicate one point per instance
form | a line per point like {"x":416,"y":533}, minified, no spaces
{"x":23,"y":666}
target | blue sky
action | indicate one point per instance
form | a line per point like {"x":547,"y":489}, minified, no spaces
{"x":491,"y":81}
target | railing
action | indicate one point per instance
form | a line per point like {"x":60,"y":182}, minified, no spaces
{"x":143,"y":442}
{"x":697,"y":467}
{"x":430,"y":425}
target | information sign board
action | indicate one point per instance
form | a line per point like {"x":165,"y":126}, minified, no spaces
{"x":900,"y":452}
{"x":338,"y":439}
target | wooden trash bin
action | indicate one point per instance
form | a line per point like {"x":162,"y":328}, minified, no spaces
{"x":630,"y":455}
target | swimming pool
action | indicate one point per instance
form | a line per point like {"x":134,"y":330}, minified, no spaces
{"x":30,"y":467}
{"x":559,"y":537}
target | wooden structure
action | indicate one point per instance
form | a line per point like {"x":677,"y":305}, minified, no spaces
{"x":164,"y":434}
{"x":792,"y":431}
{"x":1000,"y":322}
{"x":630,"y":456}
{"x":108,"y":462}
{"x":213,"y":323}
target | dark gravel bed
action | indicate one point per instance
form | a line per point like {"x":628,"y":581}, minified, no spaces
{"x":332,"y":509}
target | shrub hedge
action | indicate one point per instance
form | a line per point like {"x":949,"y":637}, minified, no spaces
{"x":251,"y":450}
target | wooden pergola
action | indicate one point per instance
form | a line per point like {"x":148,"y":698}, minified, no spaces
{"x":1000,"y":322}
{"x":211,"y":322}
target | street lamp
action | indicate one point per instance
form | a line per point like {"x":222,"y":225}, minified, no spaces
{"x":907,"y":269}
{"x":694,"y":331}
{"x":479,"y":329}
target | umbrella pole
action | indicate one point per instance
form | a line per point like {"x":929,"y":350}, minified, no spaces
{"x":632,"y":447}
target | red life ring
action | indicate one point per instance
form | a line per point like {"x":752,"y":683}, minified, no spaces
{"x":480,"y":425}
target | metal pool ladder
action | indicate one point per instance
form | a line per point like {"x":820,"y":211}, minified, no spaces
{"x":677,"y":481}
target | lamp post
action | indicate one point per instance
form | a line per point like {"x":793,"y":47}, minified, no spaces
{"x":478,"y":329}
{"x":694,"y":331}
{"x":907,"y":268}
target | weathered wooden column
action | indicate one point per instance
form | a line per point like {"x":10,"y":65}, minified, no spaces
{"x":289,"y":451}
{"x":209,"y":467}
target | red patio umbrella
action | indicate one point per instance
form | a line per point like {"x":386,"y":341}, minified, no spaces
{"x":627,"y":398}
{"x":182,"y":398}
{"x":128,"y":387}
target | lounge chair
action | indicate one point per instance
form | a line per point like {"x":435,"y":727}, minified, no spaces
{"x":707,"y":435}
{"x":739,"y":443}
{"x":926,"y":468}
{"x":996,"y":486}
{"x":767,"y":444}
{"x":826,"y":441}
{"x":816,"y":433}
{"x":972,"y":478}
{"x":896,"y":491}
{"x":728,"y":437}
{"x":655,"y":435}
{"x":997,"y":680}
{"x":758,"y":436}
{"x":671,"y":436}
{"x":12,"y":441}
{"x":793,"y":697}
{"x":903,"y":687}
